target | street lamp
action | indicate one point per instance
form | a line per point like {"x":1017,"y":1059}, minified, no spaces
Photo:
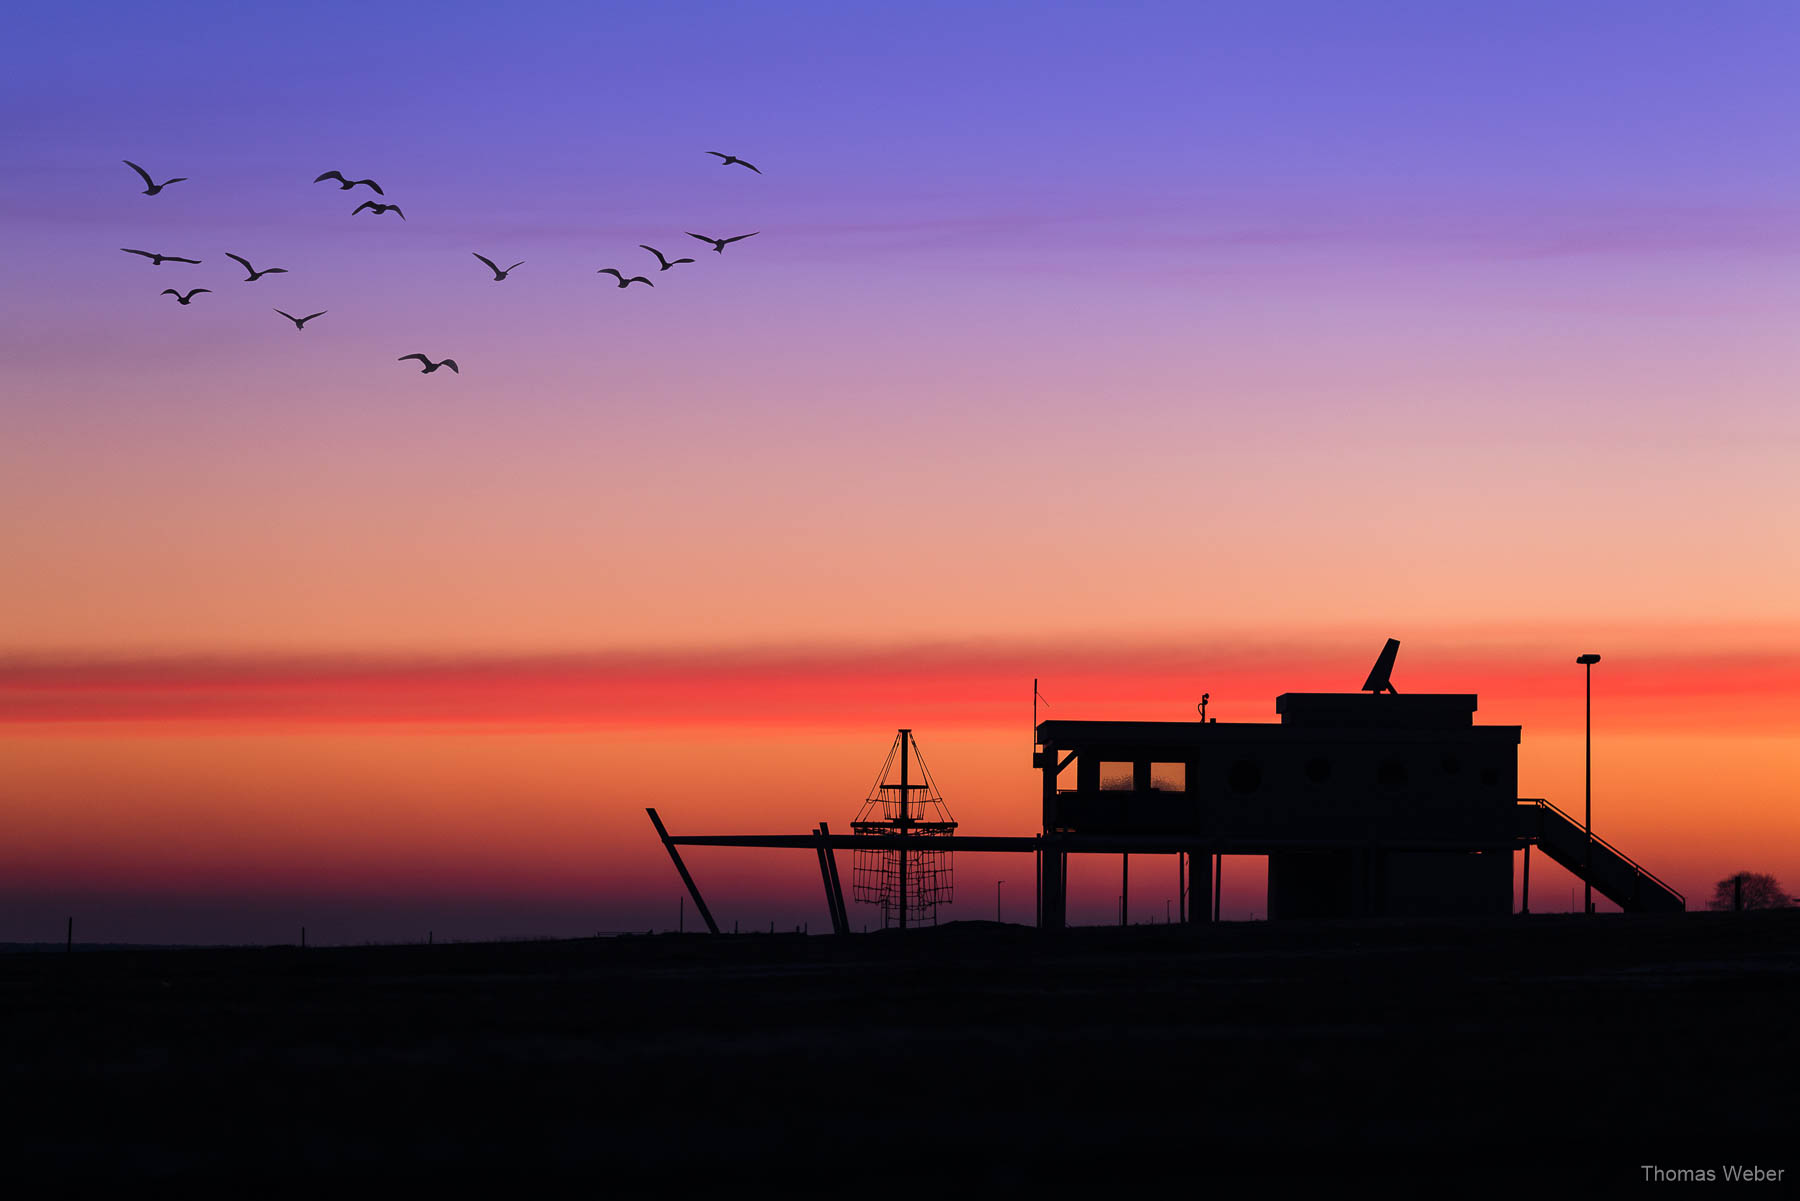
{"x":1587,"y":870}
{"x":997,"y":884}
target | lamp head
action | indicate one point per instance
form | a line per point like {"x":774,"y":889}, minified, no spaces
{"x":1589,"y":659}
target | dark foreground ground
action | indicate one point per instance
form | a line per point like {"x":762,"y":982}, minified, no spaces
{"x":1447,"y":1055}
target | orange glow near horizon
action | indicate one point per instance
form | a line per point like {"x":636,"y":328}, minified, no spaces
{"x":527,"y":778}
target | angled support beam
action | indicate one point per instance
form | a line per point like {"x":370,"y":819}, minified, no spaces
{"x":693,"y":890}
{"x":825,"y":877}
{"x":837,"y":884}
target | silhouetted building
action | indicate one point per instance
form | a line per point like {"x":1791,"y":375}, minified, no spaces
{"x":1365,"y":804}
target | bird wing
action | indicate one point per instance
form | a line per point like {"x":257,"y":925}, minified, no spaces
{"x":367,"y":204}
{"x":674,"y":261}
{"x":288,"y":315}
{"x":177,"y":179}
{"x":741,"y":237}
{"x":337,"y":175}
{"x":419,"y":357}
{"x":273,"y":271}
{"x":169,"y":292}
{"x":396,"y":208}
{"x":726,"y":157}
{"x":310,"y":316}
{"x":197,"y":292}
{"x":169,"y":258}
{"x":241,"y":259}
{"x":704,"y":238}
{"x":638,"y":279}
{"x":490,"y":262}
{"x":653,"y":250}
{"x":613,"y":271}
{"x":149,"y":254}
{"x":451,"y":363}
{"x":148,"y":182}
{"x":750,"y":165}
{"x":372,"y":184}
{"x":520,"y":263}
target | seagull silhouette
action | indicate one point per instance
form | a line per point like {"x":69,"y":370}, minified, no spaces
{"x":732,"y":158}
{"x":719,"y":244}
{"x":666,"y":263}
{"x":254,"y":273}
{"x":188,"y":299}
{"x":157,"y":260}
{"x":379,"y":209}
{"x":620,"y":276}
{"x":498,"y":274}
{"x":429,"y":365}
{"x":151,"y":187}
{"x":300,"y":322}
{"x":344,"y":185}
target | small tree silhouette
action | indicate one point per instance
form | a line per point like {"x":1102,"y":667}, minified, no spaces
{"x":1749,"y":890}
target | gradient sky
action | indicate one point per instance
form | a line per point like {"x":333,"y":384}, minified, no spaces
{"x":1144,"y":348}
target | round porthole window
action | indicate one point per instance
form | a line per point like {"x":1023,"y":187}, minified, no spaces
{"x":1246,"y":776}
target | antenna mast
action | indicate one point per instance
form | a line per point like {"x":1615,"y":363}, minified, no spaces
{"x":908,"y":883}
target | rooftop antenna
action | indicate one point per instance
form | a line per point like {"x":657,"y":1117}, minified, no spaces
{"x":1204,"y":697}
{"x":1378,"y":681}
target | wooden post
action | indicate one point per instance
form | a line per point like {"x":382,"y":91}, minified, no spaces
{"x":693,"y":889}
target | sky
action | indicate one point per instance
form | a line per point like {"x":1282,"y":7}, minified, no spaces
{"x":1146,"y":349}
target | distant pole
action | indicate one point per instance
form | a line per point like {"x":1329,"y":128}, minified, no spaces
{"x":1587,"y":868}
{"x":1525,"y":888}
{"x":997,"y":884}
{"x":1167,"y":920}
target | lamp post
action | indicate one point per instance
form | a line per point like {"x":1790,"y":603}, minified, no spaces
{"x":1587,"y":867}
{"x":997,"y":884}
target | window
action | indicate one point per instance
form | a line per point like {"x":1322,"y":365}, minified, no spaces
{"x":1115,"y":777}
{"x":1168,"y":777}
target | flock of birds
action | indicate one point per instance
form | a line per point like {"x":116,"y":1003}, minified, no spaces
{"x":664,"y":263}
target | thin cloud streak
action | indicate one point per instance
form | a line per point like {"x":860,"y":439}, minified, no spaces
{"x":974,"y":686}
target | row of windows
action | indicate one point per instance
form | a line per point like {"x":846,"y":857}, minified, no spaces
{"x":1246,"y":775}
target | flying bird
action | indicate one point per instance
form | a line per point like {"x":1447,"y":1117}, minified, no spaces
{"x":157,"y":260}
{"x":666,"y":263}
{"x":151,"y":187}
{"x":379,"y":209}
{"x":620,"y":276}
{"x":429,"y":365}
{"x":188,"y":299}
{"x":498,"y":274}
{"x":732,"y":158}
{"x":344,"y":185}
{"x":254,"y":273}
{"x":719,"y":244}
{"x":300,"y":322}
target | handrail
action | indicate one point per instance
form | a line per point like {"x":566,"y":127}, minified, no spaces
{"x":1636,"y":866}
